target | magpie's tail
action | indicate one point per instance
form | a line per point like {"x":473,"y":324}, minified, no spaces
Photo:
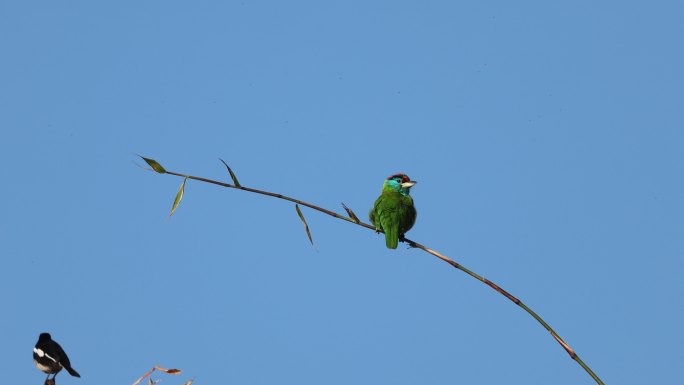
{"x":72,"y":371}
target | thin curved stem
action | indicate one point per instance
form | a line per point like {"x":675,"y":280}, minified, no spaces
{"x":416,"y":245}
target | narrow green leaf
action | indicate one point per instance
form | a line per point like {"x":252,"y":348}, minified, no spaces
{"x":232,"y":175}
{"x":306,"y":226}
{"x":351,"y":214}
{"x":179,"y":197}
{"x":155,"y":166}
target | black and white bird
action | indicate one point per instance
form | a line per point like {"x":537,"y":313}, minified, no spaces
{"x":50,"y":358}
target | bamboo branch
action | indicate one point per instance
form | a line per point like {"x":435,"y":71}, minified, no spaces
{"x":353,"y":219}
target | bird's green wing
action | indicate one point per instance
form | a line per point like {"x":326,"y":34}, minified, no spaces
{"x":407,"y":215}
{"x":386,"y":216}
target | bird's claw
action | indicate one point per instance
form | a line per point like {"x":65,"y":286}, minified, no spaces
{"x":403,"y":239}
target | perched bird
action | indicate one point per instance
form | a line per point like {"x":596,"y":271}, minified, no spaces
{"x":50,"y":358}
{"x":393,"y":211}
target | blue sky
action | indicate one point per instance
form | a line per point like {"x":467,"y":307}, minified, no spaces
{"x":546,"y":138}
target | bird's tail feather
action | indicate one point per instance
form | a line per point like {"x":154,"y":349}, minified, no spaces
{"x":391,"y":238}
{"x":72,"y":371}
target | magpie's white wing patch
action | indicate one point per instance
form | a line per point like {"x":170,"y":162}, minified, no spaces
{"x":41,"y":354}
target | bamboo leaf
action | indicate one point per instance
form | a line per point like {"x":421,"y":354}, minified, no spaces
{"x":232,"y":174}
{"x":168,"y":371}
{"x":179,"y":197}
{"x":189,"y":382}
{"x":154,"y":164}
{"x":351,"y":214}
{"x":306,"y":226}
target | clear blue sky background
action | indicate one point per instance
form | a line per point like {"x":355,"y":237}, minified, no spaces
{"x":546,"y":138}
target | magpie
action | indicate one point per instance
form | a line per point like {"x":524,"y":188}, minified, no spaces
{"x":50,"y":358}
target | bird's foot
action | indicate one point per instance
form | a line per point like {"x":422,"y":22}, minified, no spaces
{"x":50,"y":381}
{"x":377,"y":230}
{"x":403,"y":239}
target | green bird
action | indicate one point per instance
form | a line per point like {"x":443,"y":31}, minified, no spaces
{"x":393,"y":211}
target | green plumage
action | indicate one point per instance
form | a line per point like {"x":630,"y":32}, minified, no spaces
{"x":393,"y":212}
